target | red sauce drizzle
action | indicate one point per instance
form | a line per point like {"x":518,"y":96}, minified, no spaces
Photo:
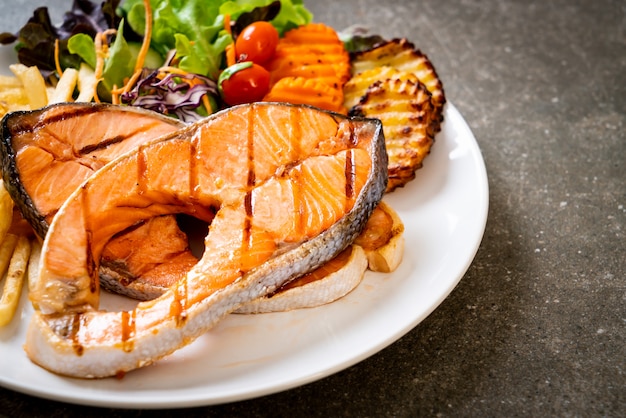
{"x":73,"y":334}
{"x":128,"y":330}
{"x":250,"y":183}
{"x":193,"y":166}
{"x":296,"y":174}
{"x":178,"y":309}
{"x":142,"y":166}
{"x":298,"y":201}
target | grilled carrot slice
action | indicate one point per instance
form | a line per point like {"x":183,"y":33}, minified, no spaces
{"x":300,"y":90}
{"x":310,"y":66}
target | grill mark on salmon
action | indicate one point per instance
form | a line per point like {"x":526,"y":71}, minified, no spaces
{"x":296,"y":221}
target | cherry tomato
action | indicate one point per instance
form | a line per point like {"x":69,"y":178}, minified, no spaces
{"x":257,"y":42}
{"x":244,"y":82}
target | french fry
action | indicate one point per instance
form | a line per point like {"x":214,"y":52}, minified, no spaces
{"x":14,"y":280}
{"x":8,"y":81}
{"x":34,"y":84}
{"x":86,"y":83}
{"x":6,"y":251}
{"x":6,"y":211}
{"x":12,"y":95}
{"x":65,"y":87}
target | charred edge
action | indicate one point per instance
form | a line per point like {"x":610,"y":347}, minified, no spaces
{"x":17,"y":123}
{"x":105,"y":143}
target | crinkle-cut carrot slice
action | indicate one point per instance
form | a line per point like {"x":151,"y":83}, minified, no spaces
{"x":314,"y":44}
{"x":314,"y":31}
{"x":310,"y":64}
{"x":322,"y":73}
{"x":300,"y":90}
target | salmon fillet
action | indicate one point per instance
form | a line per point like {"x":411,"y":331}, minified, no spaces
{"x":285,"y":189}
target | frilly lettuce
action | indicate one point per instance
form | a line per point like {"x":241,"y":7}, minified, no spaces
{"x":195,"y":28}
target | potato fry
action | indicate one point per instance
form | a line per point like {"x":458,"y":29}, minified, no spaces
{"x":14,"y":280}
{"x":13,"y":95}
{"x":6,"y":251}
{"x":33,"y":83}
{"x":6,"y":211}
{"x":8,"y":81}
{"x":65,"y":87}
{"x":86,"y":83}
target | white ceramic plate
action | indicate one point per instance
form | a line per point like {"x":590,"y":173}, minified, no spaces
{"x":444,"y":210}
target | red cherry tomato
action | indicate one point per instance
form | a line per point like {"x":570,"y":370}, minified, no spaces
{"x":244,"y":82}
{"x":257,"y":42}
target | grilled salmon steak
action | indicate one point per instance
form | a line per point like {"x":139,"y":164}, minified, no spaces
{"x":285,"y":188}
{"x":49,"y":152}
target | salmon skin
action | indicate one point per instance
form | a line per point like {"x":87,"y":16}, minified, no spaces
{"x":49,"y":152}
{"x":285,"y":188}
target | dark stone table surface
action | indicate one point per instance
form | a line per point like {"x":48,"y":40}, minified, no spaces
{"x":537,"y":325}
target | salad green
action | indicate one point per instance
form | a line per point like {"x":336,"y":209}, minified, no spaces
{"x":189,"y":37}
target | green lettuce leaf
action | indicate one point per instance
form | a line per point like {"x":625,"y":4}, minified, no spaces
{"x":82,"y":45}
{"x":118,"y":66}
{"x":195,"y":28}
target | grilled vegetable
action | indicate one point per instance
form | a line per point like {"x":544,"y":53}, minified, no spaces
{"x":409,"y":121}
{"x":300,"y":90}
{"x":402,"y":55}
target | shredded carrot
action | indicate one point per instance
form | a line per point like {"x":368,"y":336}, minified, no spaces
{"x":141,"y":57}
{"x":145,"y":45}
{"x":100,"y":55}
{"x":207,"y":104}
{"x":227,"y":24}
{"x":231,"y":56}
{"x":115,"y":98}
{"x":57,"y":63}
